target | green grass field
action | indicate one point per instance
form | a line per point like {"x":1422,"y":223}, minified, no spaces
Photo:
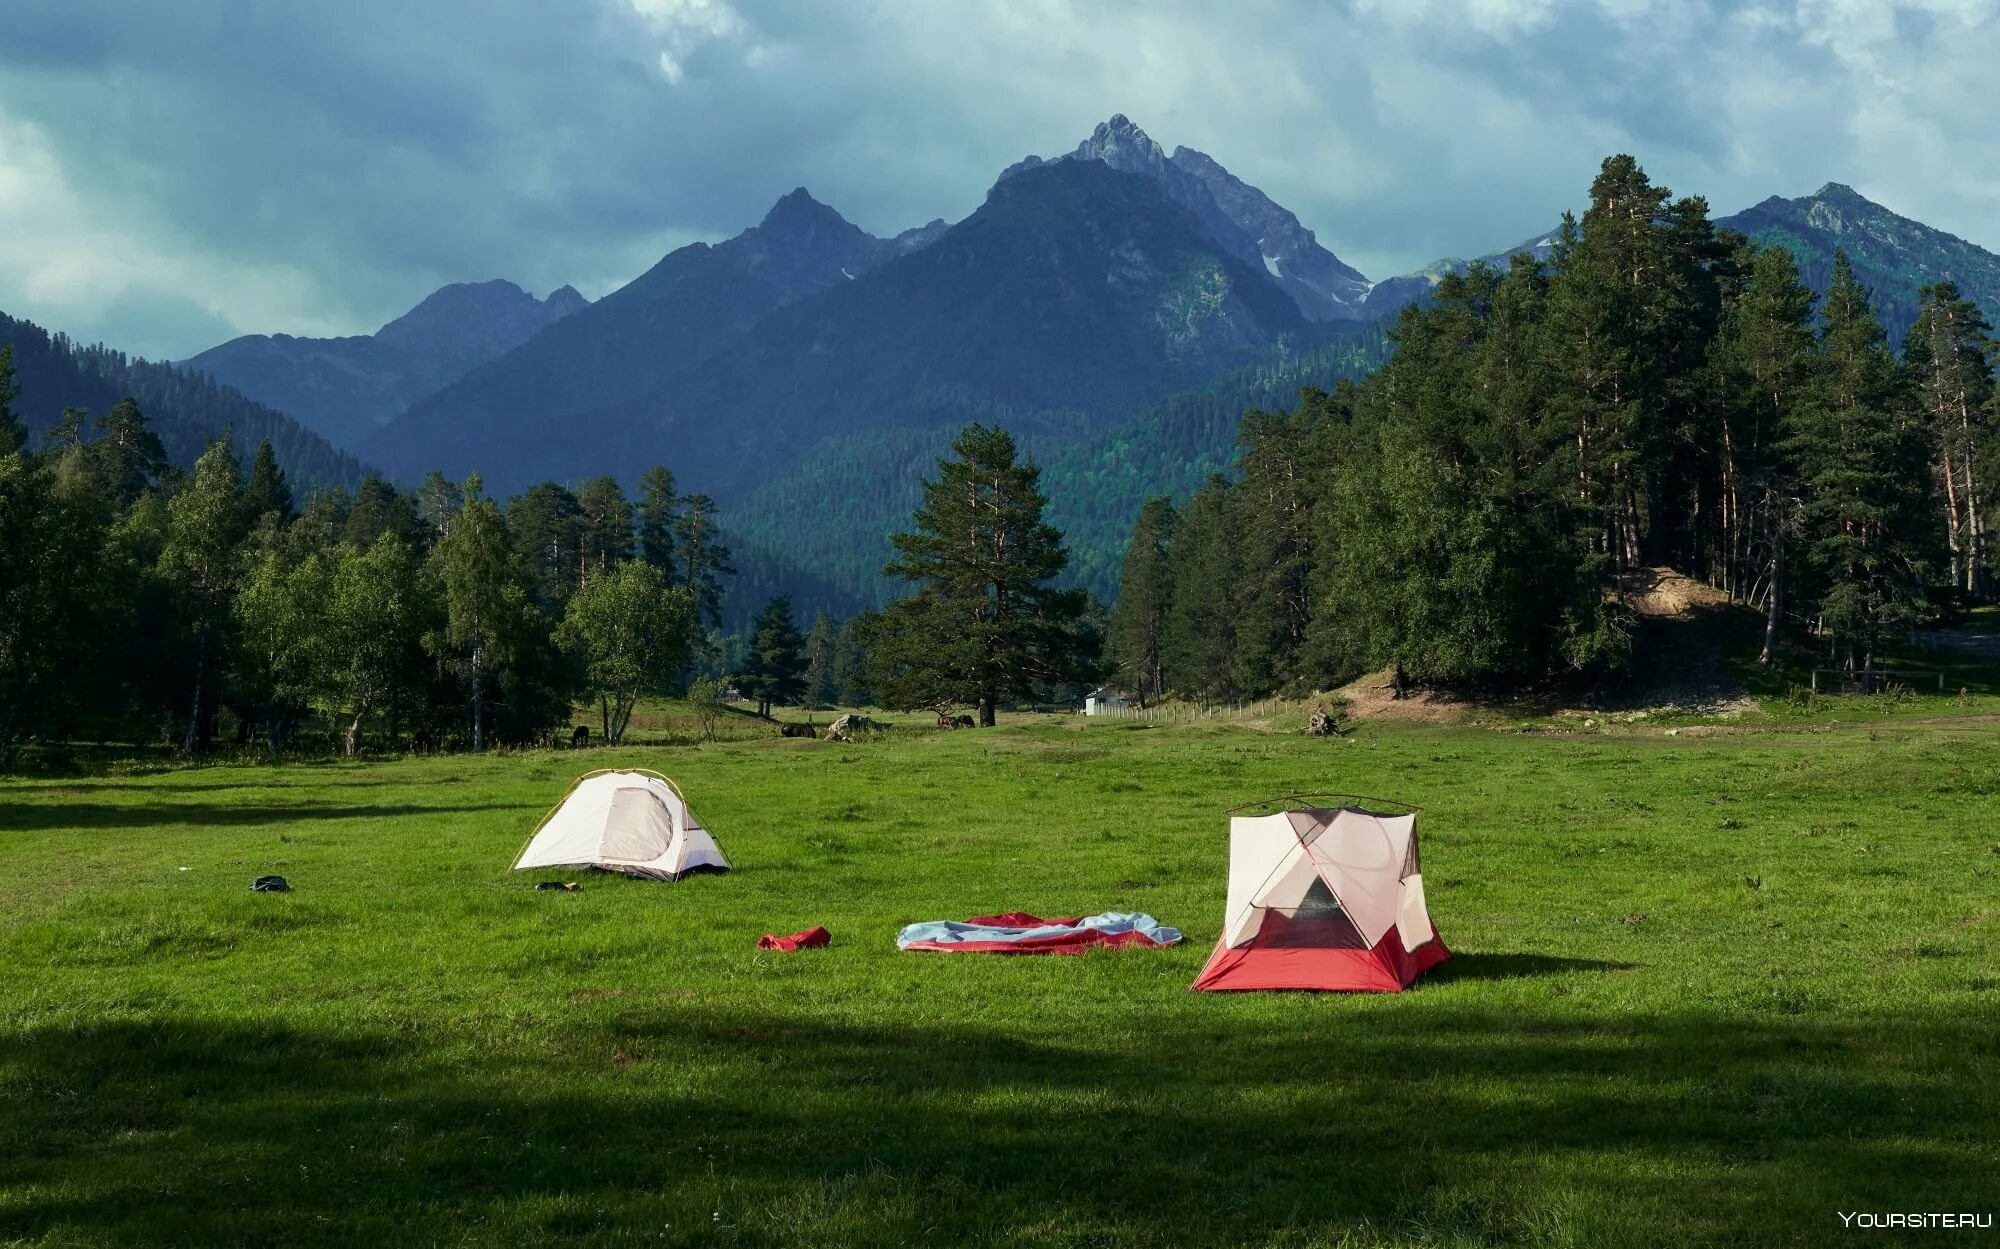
{"x":1707,"y":991}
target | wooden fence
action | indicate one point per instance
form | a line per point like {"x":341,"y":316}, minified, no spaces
{"x":1871,"y":680}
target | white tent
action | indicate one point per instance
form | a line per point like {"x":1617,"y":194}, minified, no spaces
{"x":629,"y":821}
{"x":1323,"y":898}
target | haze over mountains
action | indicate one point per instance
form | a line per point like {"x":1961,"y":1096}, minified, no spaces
{"x":1088,"y":304}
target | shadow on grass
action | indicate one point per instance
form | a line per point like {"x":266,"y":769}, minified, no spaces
{"x":1463,"y":966}
{"x":1463,"y":1126}
{"x":82,"y":815}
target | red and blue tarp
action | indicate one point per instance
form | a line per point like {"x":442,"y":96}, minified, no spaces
{"x":1018,"y":932}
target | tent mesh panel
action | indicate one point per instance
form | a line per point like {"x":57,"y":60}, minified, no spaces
{"x":1286,"y":928}
{"x":637,"y":829}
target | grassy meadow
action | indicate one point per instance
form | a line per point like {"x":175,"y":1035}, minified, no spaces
{"x":1707,"y":990}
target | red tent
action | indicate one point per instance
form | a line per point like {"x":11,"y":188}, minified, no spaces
{"x":1324,"y":898}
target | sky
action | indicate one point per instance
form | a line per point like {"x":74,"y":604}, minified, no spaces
{"x":176,"y":173}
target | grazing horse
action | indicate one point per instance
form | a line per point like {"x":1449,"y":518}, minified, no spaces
{"x":579,"y":737}
{"x":797,"y":730}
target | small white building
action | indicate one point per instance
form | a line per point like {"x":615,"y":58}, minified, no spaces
{"x":1103,"y":699}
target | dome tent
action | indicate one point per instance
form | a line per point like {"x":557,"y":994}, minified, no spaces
{"x":624,"y":820}
{"x":1323,"y":898}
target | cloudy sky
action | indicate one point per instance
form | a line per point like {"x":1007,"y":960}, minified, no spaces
{"x":177,"y":172}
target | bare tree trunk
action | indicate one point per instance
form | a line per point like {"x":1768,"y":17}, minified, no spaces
{"x":1951,"y":533}
{"x":7,"y":722}
{"x":986,"y":711}
{"x":1772,"y":606}
{"x":1975,"y":546}
{"x":478,"y":702}
{"x":194,"y":710}
{"x":352,"y":740}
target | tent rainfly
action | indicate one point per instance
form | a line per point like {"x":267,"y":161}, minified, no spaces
{"x":630,"y":821}
{"x":1324,"y":899}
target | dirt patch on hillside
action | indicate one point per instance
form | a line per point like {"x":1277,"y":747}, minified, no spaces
{"x":1682,"y":630}
{"x":1663,"y":594}
{"x":1373,"y":697}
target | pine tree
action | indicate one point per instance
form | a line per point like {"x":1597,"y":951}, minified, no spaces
{"x":605,"y":523}
{"x":850,"y":665}
{"x":775,"y":666}
{"x":659,"y":509}
{"x":13,"y":432}
{"x":1947,"y":350}
{"x":985,"y":625}
{"x":547,"y":524}
{"x":1198,"y":637}
{"x":1137,"y":635}
{"x":127,"y":455}
{"x":68,"y":433}
{"x":267,"y":492}
{"x":1627,"y":310}
{"x":378,"y":508}
{"x":702,"y":559}
{"x":1281,"y":455}
{"x":438,"y":502}
{"x":1860,"y":467}
{"x":822,"y":683}
{"x":1763,"y":369}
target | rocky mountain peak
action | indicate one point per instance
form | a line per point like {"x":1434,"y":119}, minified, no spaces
{"x":797,"y":212}
{"x":564,"y":300}
{"x":1122,"y":145}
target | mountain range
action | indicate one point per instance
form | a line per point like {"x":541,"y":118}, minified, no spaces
{"x":1105,"y":304}
{"x":1074,"y":294}
{"x":344,"y":388}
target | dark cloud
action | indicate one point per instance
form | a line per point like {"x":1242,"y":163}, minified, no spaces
{"x":174,"y":172}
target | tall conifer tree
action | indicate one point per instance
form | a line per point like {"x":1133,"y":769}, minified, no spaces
{"x":698,"y":551}
{"x":659,"y":508}
{"x":1137,"y":635}
{"x":1763,"y":365}
{"x":1860,"y":465}
{"x":1947,"y":350}
{"x":985,"y":625}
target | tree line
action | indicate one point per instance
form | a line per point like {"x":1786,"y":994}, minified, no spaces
{"x":1659,"y":392}
{"x":147,"y":604}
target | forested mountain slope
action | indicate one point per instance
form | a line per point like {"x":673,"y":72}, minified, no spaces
{"x":187,"y":410}
{"x":832,"y":512}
